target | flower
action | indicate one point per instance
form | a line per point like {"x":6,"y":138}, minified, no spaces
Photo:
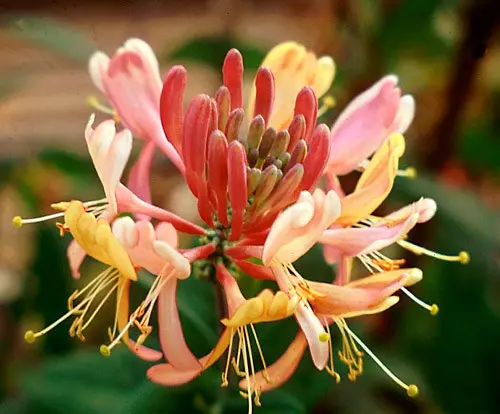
{"x":256,"y":176}
{"x":242,"y":315}
{"x":131,"y":82}
{"x":366,"y":122}
{"x":97,"y":240}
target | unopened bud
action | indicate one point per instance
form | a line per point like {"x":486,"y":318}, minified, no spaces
{"x":284,"y":158}
{"x":255,"y":131}
{"x":252,"y":156}
{"x":268,"y":161}
{"x":298,"y":155}
{"x":297,"y":130}
{"x":267,"y":182}
{"x":267,"y":142}
{"x":223,"y":100}
{"x":233,"y":124}
{"x":281,"y":143}
{"x":253,"y":179}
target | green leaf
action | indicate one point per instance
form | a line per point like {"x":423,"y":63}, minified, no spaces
{"x":84,"y":383}
{"x":211,"y":50}
{"x":53,"y":35}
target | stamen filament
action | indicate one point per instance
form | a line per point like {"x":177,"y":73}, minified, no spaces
{"x":247,"y":375}
{"x":30,"y":336}
{"x":265,"y":373}
{"x":463,"y":257}
{"x":225,"y":383}
{"x":93,"y":102}
{"x":411,"y":390}
{"x":19,"y":221}
{"x":433,"y":309}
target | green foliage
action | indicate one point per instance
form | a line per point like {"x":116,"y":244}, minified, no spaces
{"x":53,"y":35}
{"x":211,"y":50}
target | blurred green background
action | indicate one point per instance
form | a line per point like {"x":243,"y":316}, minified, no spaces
{"x":445,"y":52}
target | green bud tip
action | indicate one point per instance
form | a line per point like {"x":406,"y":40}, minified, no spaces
{"x":17,"y":221}
{"x":412,"y":391}
{"x":104,"y":350}
{"x":29,"y":337}
{"x":323,"y":337}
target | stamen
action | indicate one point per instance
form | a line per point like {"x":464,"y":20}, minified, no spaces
{"x":463,"y":257}
{"x":93,"y":102}
{"x":433,"y":309}
{"x":19,"y":221}
{"x":409,"y":172}
{"x":95,"y":207}
{"x":247,"y":375}
{"x":350,"y":354}
{"x":265,"y":373}
{"x":331,"y":368}
{"x":411,"y":390}
{"x":105,"y":350}
{"x":252,"y":367}
{"x":328,"y":103}
{"x":225,"y":383}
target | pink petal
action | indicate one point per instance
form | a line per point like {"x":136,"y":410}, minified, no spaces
{"x":341,"y":300}
{"x":425,"y":207}
{"x":312,"y":329}
{"x":406,"y":113}
{"x":129,"y":202}
{"x":76,"y":255}
{"x":234,"y":297}
{"x":353,"y":241}
{"x":122,"y":310}
{"x":171,"y":335}
{"x":110,"y":152}
{"x":139,"y":176}
{"x":98,"y":64}
{"x":232,"y":73}
{"x":167,"y":233}
{"x":363,"y":125}
{"x":283,"y":368}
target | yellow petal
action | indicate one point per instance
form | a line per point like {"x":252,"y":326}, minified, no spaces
{"x":375,"y":183}
{"x":249,"y":312}
{"x":97,"y":239}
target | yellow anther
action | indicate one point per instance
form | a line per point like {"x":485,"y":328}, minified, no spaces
{"x":323,"y":337}
{"x":411,"y":172}
{"x":464,"y":257}
{"x":434,"y":309}
{"x":17,"y":221}
{"x":412,"y":391}
{"x":329,"y":101}
{"x":104,"y":350}
{"x":29,"y":337}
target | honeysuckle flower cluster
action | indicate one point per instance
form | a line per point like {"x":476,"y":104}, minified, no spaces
{"x":266,"y":179}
